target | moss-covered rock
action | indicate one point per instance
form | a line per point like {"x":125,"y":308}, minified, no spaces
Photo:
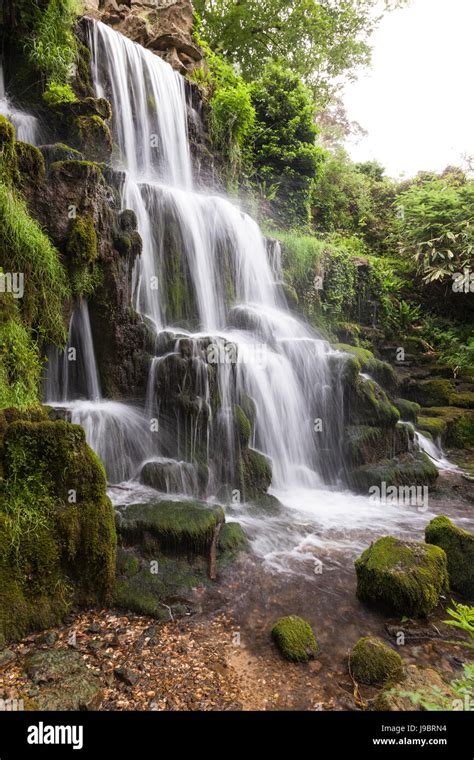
{"x":433,"y":392}
{"x":464,"y":399}
{"x":59,"y":152}
{"x":93,"y":138}
{"x":382,"y":372}
{"x":30,"y":162}
{"x":366,"y":444}
{"x":421,"y":689}
{"x":178,"y":526}
{"x":232,"y":538}
{"x":368,"y":404}
{"x":404,"y":577}
{"x":57,"y":532}
{"x":459,"y":547}
{"x":62,"y":681}
{"x":459,"y":423}
{"x":409,"y":410}
{"x":295,"y":639}
{"x":436,"y":426}
{"x":242,"y":426}
{"x":372,"y":661}
{"x":256,"y":473}
{"x":407,"y":470}
{"x":7,"y":132}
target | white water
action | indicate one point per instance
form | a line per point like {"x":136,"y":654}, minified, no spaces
{"x":233,"y":296}
{"x":26,"y":125}
{"x":435,"y":452}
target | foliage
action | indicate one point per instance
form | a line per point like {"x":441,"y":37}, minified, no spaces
{"x":285,"y":153}
{"x":52,"y":48}
{"x":232,"y":114}
{"x":461,"y":616}
{"x":56,"y":94}
{"x":20,"y":368}
{"x":436,"y":701}
{"x":27,"y":250}
{"x":318,"y":39}
{"x":454,"y":343}
{"x":436,"y":227}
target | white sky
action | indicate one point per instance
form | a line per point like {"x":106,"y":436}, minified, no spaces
{"x":416,"y":102}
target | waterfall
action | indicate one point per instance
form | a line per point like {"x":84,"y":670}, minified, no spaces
{"x":231,"y":284}
{"x":26,"y":125}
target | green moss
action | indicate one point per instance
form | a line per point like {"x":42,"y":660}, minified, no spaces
{"x":370,"y":405}
{"x":434,"y":425}
{"x":256,"y":473}
{"x":57,"y":531}
{"x":171,"y":525}
{"x":436,"y":392}
{"x":232,"y":538}
{"x":403,"y":577}
{"x":7,"y":133}
{"x":367,"y":444}
{"x":242,"y":426}
{"x":412,"y":471}
{"x":459,"y":425}
{"x":464,"y":400}
{"x":93,"y":137}
{"x":459,"y":547}
{"x":409,"y":410}
{"x":371,"y":661}
{"x":363,"y":356}
{"x":81,"y":250}
{"x":295,"y":639}
{"x":30,"y":162}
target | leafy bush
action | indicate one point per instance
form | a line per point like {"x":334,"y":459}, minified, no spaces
{"x":56,"y":94}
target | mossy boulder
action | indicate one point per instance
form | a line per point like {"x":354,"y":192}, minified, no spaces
{"x":403,"y":577}
{"x":459,"y":432}
{"x":59,"y":152}
{"x":459,"y":547}
{"x":380,"y":371}
{"x":62,"y":681}
{"x":57,"y":531}
{"x":372,"y":661}
{"x":433,"y":392}
{"x":408,"y":470}
{"x":30,"y":162}
{"x":409,"y":410}
{"x":420,"y":689}
{"x":7,"y":132}
{"x":368,"y":444}
{"x":176,"y":526}
{"x":93,"y":138}
{"x":256,"y":474}
{"x":295,"y":639}
{"x":368,"y":404}
{"x":232,"y":539}
{"x":242,"y":426}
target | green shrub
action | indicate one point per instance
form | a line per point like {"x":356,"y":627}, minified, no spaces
{"x":20,"y":367}
{"x":57,"y":94}
{"x":52,"y":48}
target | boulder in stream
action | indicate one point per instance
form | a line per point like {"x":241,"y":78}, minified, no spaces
{"x":459,"y":547}
{"x":295,"y":639}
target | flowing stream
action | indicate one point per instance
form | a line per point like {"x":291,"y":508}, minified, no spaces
{"x":26,"y":125}
{"x":207,"y":277}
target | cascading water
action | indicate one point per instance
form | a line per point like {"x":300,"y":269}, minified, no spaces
{"x":26,"y":125}
{"x":209,"y":285}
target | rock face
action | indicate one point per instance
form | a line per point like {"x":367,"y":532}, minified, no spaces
{"x":459,"y":547}
{"x":57,"y":533}
{"x":403,"y":577}
{"x":164,"y":26}
{"x":62,"y":682}
{"x":372,"y":661}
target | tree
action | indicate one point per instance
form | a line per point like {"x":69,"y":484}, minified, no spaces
{"x":285,"y":153}
{"x":318,"y":39}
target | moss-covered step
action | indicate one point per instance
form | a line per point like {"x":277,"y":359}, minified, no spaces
{"x":368,"y":404}
{"x":435,"y":426}
{"x":406,"y":470}
{"x":256,"y":474}
{"x":372,"y":661}
{"x":433,"y":392}
{"x":459,"y":547}
{"x":57,"y":530}
{"x":463,"y":399}
{"x":178,"y":526}
{"x":402,"y":577}
{"x":459,"y":430}
{"x":409,"y":410}
{"x":295,"y":639}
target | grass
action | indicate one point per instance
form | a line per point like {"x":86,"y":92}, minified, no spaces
{"x":26,"y":249}
{"x":20,"y":367}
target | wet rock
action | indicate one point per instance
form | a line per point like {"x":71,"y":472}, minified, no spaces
{"x":420,"y":689}
{"x":6,"y":657}
{"x":127,"y":676}
{"x":404,"y":577}
{"x":372,"y":661}
{"x":459,"y":547}
{"x":64,"y":682}
{"x":295,"y":639}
